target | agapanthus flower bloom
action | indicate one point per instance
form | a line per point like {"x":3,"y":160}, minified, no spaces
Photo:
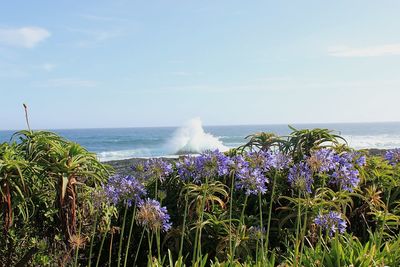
{"x":213,"y":163}
{"x":186,"y":168}
{"x":152,"y":216}
{"x":157,"y":168}
{"x":345,"y":175}
{"x":124,"y":189}
{"x":300,"y":177}
{"x":280,"y":161}
{"x":208,"y":164}
{"x":251,"y":180}
{"x":322,"y":160}
{"x":262,"y":160}
{"x":99,"y":197}
{"x":331,"y":222}
{"x":361,"y":161}
{"x":393,"y":156}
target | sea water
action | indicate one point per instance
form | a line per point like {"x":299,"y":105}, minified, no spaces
{"x":193,"y":137}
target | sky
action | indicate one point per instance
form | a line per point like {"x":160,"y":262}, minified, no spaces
{"x":93,"y":64}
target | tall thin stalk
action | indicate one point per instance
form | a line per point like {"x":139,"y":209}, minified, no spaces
{"x":122,"y":235}
{"x":130,"y":235}
{"x":92,"y":239}
{"x":197,"y":247}
{"x":78,"y":245}
{"x":296,"y":250}
{"x":102,"y":243}
{"x":26,"y":117}
{"x":230,"y":219}
{"x":139,"y":246}
{"x":241,"y":223}
{"x":110,"y":249}
{"x":183,"y":225}
{"x":270,"y":213}
{"x":261,"y":227}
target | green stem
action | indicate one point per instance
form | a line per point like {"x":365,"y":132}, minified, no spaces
{"x":158,"y":245}
{"x":240,"y":223}
{"x":138,"y":249}
{"x":261,"y":227}
{"x":150,"y":241}
{"x":230,"y":219}
{"x":102,"y":243}
{"x":197,"y":248}
{"x":130,"y":235}
{"x":303,"y":234}
{"x":384,"y":219}
{"x":270,"y":213}
{"x":110,"y":249}
{"x":92,"y":239}
{"x":184,"y":224}
{"x":296,"y":251}
{"x":122,"y":235}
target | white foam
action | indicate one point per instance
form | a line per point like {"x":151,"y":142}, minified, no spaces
{"x":382,"y":141}
{"x":191,"y":138}
{"x":123,"y":154}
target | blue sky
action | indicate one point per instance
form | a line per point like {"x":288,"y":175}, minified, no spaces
{"x":80,"y":64}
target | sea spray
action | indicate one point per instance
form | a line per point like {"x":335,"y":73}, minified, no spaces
{"x":191,"y":138}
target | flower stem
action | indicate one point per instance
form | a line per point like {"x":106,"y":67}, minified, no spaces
{"x":230,"y":220}
{"x":92,"y":239}
{"x":130,"y":235}
{"x":102,"y":243}
{"x":138,"y":249}
{"x":270,"y":213}
{"x":184,"y":224}
{"x":122,"y":235}
{"x":261,"y":228}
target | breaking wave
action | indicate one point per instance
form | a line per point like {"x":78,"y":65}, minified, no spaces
{"x":191,"y":138}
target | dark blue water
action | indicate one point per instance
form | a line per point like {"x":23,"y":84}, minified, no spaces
{"x":120,"y":143}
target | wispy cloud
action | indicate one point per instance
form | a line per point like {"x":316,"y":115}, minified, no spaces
{"x":26,"y":37}
{"x":48,"y":66}
{"x":95,"y":36}
{"x":65,"y":82}
{"x":101,"y":18}
{"x":368,"y":51}
{"x":186,"y":73}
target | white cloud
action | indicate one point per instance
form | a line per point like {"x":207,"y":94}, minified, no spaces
{"x":27,"y":37}
{"x":368,"y":51}
{"x":101,"y":18}
{"x":66,"y":82}
{"x":48,"y":66}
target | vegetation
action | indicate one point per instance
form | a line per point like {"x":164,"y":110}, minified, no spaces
{"x":305,"y":199}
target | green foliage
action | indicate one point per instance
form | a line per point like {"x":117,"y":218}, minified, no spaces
{"x":51,"y":214}
{"x":46,"y":186}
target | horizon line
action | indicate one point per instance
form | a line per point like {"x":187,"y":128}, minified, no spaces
{"x":209,"y":125}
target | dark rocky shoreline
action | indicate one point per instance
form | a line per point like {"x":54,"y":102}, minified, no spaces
{"x":124,"y":166}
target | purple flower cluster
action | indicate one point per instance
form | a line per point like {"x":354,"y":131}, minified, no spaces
{"x":249,"y":178}
{"x":340,"y":167}
{"x":209,"y":164}
{"x":124,"y":189}
{"x":186,"y":168}
{"x":393,"y":156}
{"x":152,"y":216}
{"x":300,"y":177}
{"x":280,"y":161}
{"x":322,"y":160}
{"x":157,"y":168}
{"x":331,"y":222}
{"x":345,"y":175}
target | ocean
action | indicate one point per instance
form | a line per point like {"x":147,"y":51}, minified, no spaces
{"x":122,"y":143}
